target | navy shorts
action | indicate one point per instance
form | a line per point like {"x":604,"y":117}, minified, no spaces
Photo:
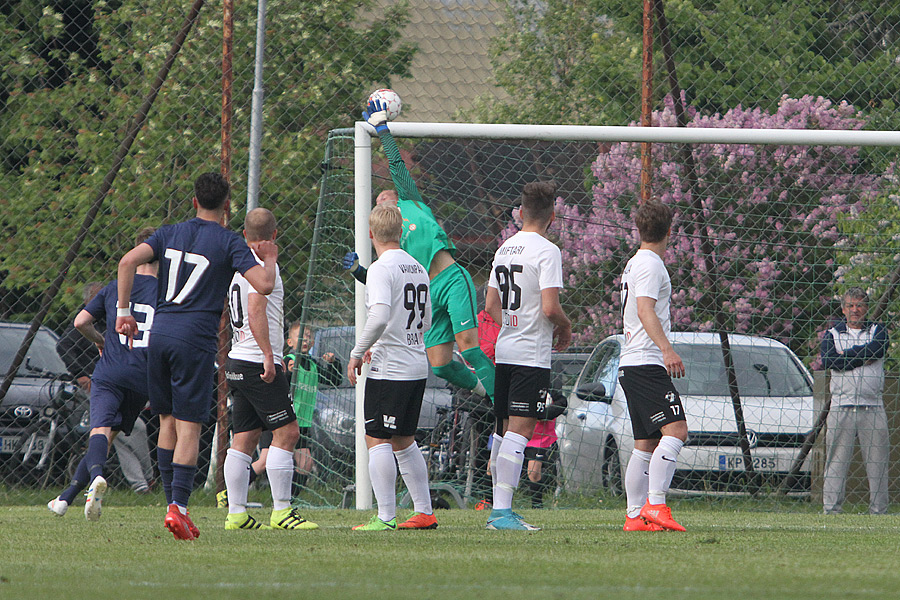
{"x":652,"y":400}
{"x":115,"y":406}
{"x":180,"y":379}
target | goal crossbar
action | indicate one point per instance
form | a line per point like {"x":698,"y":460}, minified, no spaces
{"x":684,"y":135}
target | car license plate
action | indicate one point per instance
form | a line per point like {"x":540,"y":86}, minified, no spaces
{"x":9,"y":443}
{"x":735,"y":462}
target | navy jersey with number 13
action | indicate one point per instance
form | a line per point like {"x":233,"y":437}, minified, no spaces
{"x":197,"y":260}
{"x":118,"y":364}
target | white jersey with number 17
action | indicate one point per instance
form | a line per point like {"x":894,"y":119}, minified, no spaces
{"x":524,"y":265}
{"x":398,"y":281}
{"x":646,"y":276}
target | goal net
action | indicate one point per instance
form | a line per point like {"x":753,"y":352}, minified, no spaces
{"x":777,"y":216}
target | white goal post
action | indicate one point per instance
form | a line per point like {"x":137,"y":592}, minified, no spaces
{"x":569,"y":133}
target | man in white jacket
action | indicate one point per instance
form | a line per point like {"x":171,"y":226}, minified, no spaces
{"x":854,"y":350}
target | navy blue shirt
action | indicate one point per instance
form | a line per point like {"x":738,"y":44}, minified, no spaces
{"x":119,"y":365}
{"x":197,"y":260}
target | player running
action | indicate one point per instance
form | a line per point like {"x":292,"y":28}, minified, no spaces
{"x":118,"y":383}
{"x":453,"y":293}
{"x":646,"y":367}
{"x":393,"y":342}
{"x":197,"y":260}
{"x":260,"y":393}
{"x":523,"y":296}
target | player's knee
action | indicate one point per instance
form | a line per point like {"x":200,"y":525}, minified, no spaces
{"x":287,"y":436}
{"x":467,"y":339}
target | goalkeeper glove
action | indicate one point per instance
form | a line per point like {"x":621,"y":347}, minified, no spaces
{"x":376,"y":115}
{"x":350,"y":259}
{"x":351,"y":263}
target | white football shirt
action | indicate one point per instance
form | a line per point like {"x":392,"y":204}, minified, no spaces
{"x":398,"y":281}
{"x":243,"y":344}
{"x":524,"y":265}
{"x":645,"y":275}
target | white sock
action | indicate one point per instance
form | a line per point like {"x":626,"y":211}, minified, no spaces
{"x":509,"y":469}
{"x":662,"y":468}
{"x":383,"y":472}
{"x":237,"y":480}
{"x":637,"y":483}
{"x":280,"y":471}
{"x":496,"y":441}
{"x":414,"y":472}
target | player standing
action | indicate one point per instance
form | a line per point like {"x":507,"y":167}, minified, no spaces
{"x":646,"y":367}
{"x":118,"y":382}
{"x":197,"y":260}
{"x":455,"y":317}
{"x":523,"y":296}
{"x":398,"y":302}
{"x":260,"y":393}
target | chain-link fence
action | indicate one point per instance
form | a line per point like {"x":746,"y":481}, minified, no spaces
{"x":766,"y":238}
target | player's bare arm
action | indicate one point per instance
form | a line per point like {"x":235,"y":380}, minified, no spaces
{"x":139,"y":255}
{"x":262,"y":278}
{"x":647,"y":314}
{"x":492,"y":304}
{"x":84,"y":323}
{"x":259,"y":327}
{"x":562,"y":326}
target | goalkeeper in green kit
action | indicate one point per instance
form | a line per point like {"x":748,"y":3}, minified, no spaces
{"x":454,"y":311}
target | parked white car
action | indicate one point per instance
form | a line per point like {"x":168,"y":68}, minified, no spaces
{"x":776,"y":396}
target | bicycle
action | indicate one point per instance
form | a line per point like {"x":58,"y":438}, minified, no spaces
{"x":455,"y":451}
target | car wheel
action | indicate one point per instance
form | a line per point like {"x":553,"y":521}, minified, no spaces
{"x":612,"y":469}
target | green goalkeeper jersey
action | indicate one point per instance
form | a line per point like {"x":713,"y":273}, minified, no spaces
{"x":422,"y":237}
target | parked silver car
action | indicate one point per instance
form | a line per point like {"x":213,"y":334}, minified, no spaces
{"x":776,"y":394}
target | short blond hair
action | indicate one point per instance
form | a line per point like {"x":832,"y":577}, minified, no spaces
{"x":259,"y":224}
{"x":386,"y":223}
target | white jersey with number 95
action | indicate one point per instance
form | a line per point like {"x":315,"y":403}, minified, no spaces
{"x":524,"y":265}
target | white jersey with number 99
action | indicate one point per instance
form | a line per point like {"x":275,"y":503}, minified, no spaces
{"x":398,"y":281}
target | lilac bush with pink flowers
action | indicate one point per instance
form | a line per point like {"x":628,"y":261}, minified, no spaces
{"x":771,"y":214}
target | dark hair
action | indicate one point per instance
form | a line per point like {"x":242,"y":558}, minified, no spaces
{"x":143,"y":235}
{"x":537,"y":200}
{"x":653,"y":220}
{"x":211,"y":191}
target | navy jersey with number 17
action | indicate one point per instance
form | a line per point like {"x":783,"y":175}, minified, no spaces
{"x":197,"y":260}
{"x":120,"y":365}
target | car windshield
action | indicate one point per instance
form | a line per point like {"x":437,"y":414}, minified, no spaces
{"x":42,"y":358}
{"x":341,"y":340}
{"x":766,"y":371}
{"x":566,"y":368}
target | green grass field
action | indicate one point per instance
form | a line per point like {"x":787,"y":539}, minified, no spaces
{"x":581,"y":553}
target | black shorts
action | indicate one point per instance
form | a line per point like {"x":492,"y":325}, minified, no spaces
{"x":544,"y":455}
{"x":652,"y":400}
{"x":392,"y":407}
{"x":257,"y":404}
{"x":520,"y":391}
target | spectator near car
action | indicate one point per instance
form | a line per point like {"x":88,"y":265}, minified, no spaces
{"x":854,"y":350}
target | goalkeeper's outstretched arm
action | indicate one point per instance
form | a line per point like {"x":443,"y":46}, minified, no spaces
{"x":376,"y":115}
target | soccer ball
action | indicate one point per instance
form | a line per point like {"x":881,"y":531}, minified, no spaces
{"x":390,"y":99}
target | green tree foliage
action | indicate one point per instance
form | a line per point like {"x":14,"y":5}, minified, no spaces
{"x":74,"y":75}
{"x":580,"y":62}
